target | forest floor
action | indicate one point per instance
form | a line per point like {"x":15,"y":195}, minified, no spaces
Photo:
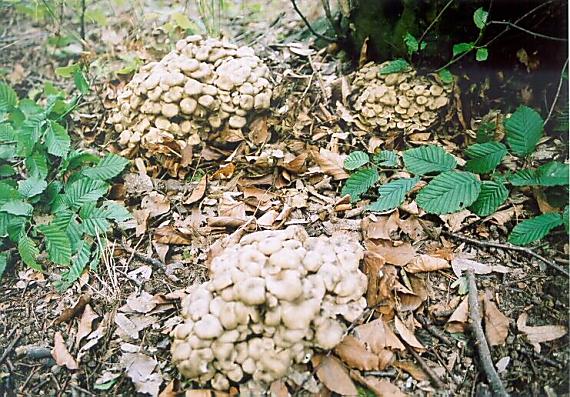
{"x":115,"y":323}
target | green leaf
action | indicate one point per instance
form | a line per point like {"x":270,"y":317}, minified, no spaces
{"x":36,"y":165}
{"x":445,"y":76}
{"x":67,"y":71}
{"x":80,"y":81}
{"x":412,"y":44}
{"x":386,"y":158}
{"x":393,"y":194}
{"x":57,"y":140}
{"x":6,"y":170}
{"x":109,"y":167}
{"x":7,"y":133}
{"x":94,"y":219}
{"x":524,"y":130}
{"x":395,"y":66}
{"x":535,"y":228}
{"x":484,"y":157}
{"x":449,"y":192}
{"x":359,"y":183}
{"x":427,"y":159}
{"x":116,"y":211}
{"x":8,"y":98}
{"x":7,"y":152}
{"x":3,"y":263}
{"x":356,"y":160}
{"x":57,"y":244}
{"x":491,"y":197}
{"x":77,"y":159}
{"x":83,"y":191}
{"x":5,"y":219}
{"x":485,"y":132}
{"x":461,"y":48}
{"x":77,"y":267}
{"x":482,"y":54}
{"x":17,"y":207}
{"x":29,"y":252}
{"x":553,"y":173}
{"x":480,"y":18}
{"x":566,"y":219}
{"x":7,"y":191}
{"x":31,"y":187}
{"x":16,"y":227}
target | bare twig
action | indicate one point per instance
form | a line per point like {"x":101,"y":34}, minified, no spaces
{"x":427,"y":369}
{"x":482,"y":347}
{"x":10,"y":346}
{"x":82,"y":19}
{"x":329,"y":39}
{"x":328,"y":14}
{"x":435,"y":331}
{"x":557,"y":92}
{"x":146,"y":259}
{"x":437,"y":17}
{"x":535,"y":34}
{"x":509,"y":247}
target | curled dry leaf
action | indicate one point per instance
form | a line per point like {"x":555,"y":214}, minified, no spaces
{"x":381,"y":227}
{"x":380,"y":387}
{"x":140,"y":368}
{"x":85,"y":325}
{"x":258,"y":132}
{"x":407,"y":335}
{"x":170,"y":235}
{"x":141,"y":303}
{"x":330,"y":163}
{"x":156,"y":204}
{"x":72,"y":312}
{"x":458,"y":220}
{"x":399,"y":255}
{"x":334,"y":375}
{"x":354,"y":354}
{"x":460,"y":264}
{"x":224,"y":172}
{"x":426,"y":263}
{"x":373,"y":263}
{"x":411,"y":368}
{"x":539,"y":334}
{"x":496,"y":323}
{"x":198,"y":192}
{"x":60,"y":353}
{"x":458,"y":320}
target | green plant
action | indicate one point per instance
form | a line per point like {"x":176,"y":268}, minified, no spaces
{"x":479,"y":186}
{"x":51,"y":196}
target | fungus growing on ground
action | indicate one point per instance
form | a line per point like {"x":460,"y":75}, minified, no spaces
{"x":397,"y":101}
{"x":206,"y":89}
{"x":270,"y":301}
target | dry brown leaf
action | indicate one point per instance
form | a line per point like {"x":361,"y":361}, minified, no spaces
{"x":267,"y":219}
{"x":372,"y":334}
{"x":504,"y":216}
{"x":156,"y":204}
{"x":74,"y":311}
{"x":410,"y":302}
{"x":496,"y":323}
{"x":330,"y":163}
{"x":279,"y":389}
{"x":198,"y":393}
{"x":169,"y":390}
{"x":426,"y":263}
{"x":297,"y":165}
{"x":411,"y":368}
{"x":60,"y":353}
{"x":380,"y":387}
{"x":460,"y":264}
{"x":407,"y":335}
{"x":353,"y":353}
{"x":381,"y":227}
{"x":372,"y":265}
{"x":396,"y":255}
{"x":141,"y":303}
{"x":85,"y":324}
{"x":542,"y":201}
{"x":334,"y":375}
{"x":258,"y":132}
{"x":161,"y":250}
{"x":457,"y":220}
{"x":198,"y":191}
{"x":539,"y":334}
{"x":140,"y":368}
{"x":141,"y":217}
{"x":169,"y":235}
{"x":458,"y":320}
{"x":224,"y":172}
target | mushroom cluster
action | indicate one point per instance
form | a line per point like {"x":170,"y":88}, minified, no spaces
{"x":397,"y":101}
{"x":206,"y":89}
{"x":271,"y":299}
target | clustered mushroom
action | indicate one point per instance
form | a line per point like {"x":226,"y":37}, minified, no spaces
{"x":204,"y":89}
{"x":397,"y":101}
{"x":270,"y":300}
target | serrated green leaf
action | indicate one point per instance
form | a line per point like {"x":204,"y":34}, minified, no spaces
{"x":16,"y":227}
{"x":412,"y":44}
{"x":3,"y":263}
{"x":17,"y":207}
{"x":461,"y":48}
{"x":484,"y":157}
{"x":359,"y":183}
{"x":553,"y":173}
{"x":75,"y":232}
{"x":36,"y":165}
{"x":535,"y":228}
{"x":83,"y":191}
{"x":6,"y":170}
{"x":80,"y":81}
{"x":57,"y":140}
{"x":8,"y":98}
{"x":482,"y":54}
{"x":428,"y":159}
{"x":4,"y":222}
{"x":116,"y":211}
{"x":24,"y":143}
{"x":480,"y":18}
{"x":77,"y":159}
{"x":485,"y":132}
{"x":491,"y":197}
{"x":7,"y":133}
{"x":94,"y":219}
{"x":449,"y":192}
{"x":445,"y":76}
{"x":31,"y":187}
{"x":386,"y":158}
{"x":8,"y":152}
{"x":29,"y":252}
{"x":77,"y":267}
{"x":524,"y":129}
{"x":393,"y":194}
{"x":109,"y":167}
{"x":566,"y":219}
{"x":7,"y":191}
{"x":57,"y":244}
{"x":356,"y":160}
{"x":395,"y":66}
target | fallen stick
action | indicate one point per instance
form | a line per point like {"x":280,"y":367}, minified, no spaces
{"x":426,"y":368}
{"x":482,"y":347}
{"x":507,"y":247}
{"x":10,"y":346}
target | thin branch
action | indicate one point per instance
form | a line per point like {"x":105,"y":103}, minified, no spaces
{"x":11,"y":345}
{"x":328,"y":14}
{"x":557,"y":92}
{"x":535,"y":34}
{"x":508,"y":247}
{"x":329,"y":39}
{"x":143,"y":258}
{"x":482,"y":347}
{"x":82,"y":19}
{"x":426,"y":368}
{"x":437,"y":17}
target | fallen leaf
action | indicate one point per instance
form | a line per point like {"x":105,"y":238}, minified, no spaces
{"x":198,"y":393}
{"x":297,"y":164}
{"x":334,"y":375}
{"x":458,"y":320}
{"x":457,"y":220}
{"x":60,"y":353}
{"x":330,"y":163}
{"x":504,"y":216}
{"x":426,"y":263}
{"x":156,"y":204}
{"x":224,"y":172}
{"x":410,"y":302}
{"x":85,"y":324}
{"x":141,"y":217}
{"x":353,"y":353}
{"x":496,"y":323}
{"x":372,"y":264}
{"x":377,"y":336}
{"x":502,"y":364}
{"x":407,"y":335}
{"x":460,"y":264}
{"x":539,"y":334}
{"x":170,"y":235}
{"x":411,"y":368}
{"x":380,"y":387}
{"x":399,"y":255}
{"x":141,"y":303}
{"x":258,"y":131}
{"x":198,"y":192}
{"x":140,"y":368}
{"x":381,"y":227}
{"x":74,"y":311}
